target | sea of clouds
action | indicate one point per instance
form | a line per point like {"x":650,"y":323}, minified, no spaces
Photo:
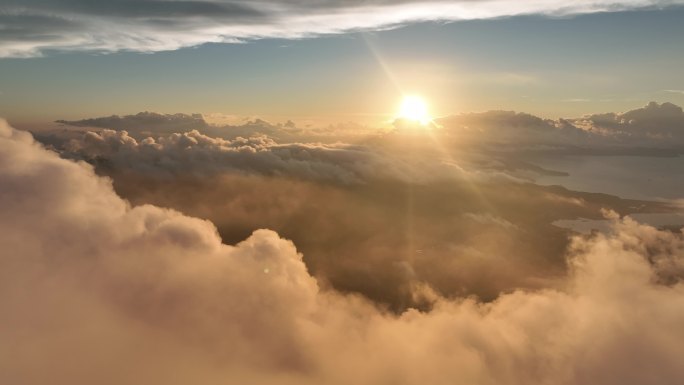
{"x":97,"y":290}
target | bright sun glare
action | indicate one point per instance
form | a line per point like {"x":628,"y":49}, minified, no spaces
{"x":415,"y":109}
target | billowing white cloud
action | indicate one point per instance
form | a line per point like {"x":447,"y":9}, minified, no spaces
{"x":96,"y":291}
{"x":193,"y":153}
{"x":659,"y":124}
{"x":144,"y":124}
{"x":31,"y":27}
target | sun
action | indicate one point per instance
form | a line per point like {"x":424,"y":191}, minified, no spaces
{"x":414,"y":108}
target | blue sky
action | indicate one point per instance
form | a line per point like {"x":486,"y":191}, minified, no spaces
{"x":549,"y":66}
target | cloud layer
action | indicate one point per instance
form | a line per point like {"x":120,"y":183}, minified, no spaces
{"x":402,"y":211}
{"x":653,"y":124}
{"x":657,"y":125}
{"x":31,"y":27}
{"x":192,"y":153}
{"x":97,"y":291}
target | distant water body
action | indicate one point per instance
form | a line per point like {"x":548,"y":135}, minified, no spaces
{"x":586,"y":226}
{"x":635,"y":177}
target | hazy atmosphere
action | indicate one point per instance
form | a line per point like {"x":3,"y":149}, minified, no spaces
{"x":329,"y":192}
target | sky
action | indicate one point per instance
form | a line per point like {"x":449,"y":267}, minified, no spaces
{"x":551,"y":66}
{"x":275,"y":192}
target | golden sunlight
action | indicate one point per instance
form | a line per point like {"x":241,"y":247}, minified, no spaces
{"x":414,"y":108}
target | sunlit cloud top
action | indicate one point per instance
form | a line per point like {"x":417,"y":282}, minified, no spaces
{"x":32,"y":27}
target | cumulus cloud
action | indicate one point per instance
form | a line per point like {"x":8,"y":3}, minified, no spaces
{"x":449,"y":209}
{"x":97,"y":291}
{"x":32,"y":27}
{"x":383,"y":219}
{"x":656,"y":125}
{"x":509,"y":127}
{"x":193,"y":153}
{"x":653,"y":124}
{"x":144,"y":124}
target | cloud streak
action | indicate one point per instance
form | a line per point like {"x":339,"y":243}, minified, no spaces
{"x":32,"y":27}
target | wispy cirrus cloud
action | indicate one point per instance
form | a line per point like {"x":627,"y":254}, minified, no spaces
{"x":31,"y":27}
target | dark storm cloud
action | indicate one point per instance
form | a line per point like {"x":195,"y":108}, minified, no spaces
{"x":157,"y":25}
{"x":95,"y":290}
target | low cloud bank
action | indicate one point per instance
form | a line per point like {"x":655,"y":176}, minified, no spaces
{"x":97,"y":291}
{"x":656,"y":125}
{"x":146,"y":122}
{"x":193,"y":153}
{"x":652,"y":124}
